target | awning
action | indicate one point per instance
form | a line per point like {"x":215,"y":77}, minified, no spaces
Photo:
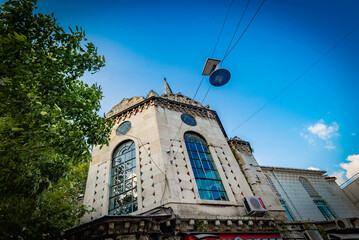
{"x":339,"y":236}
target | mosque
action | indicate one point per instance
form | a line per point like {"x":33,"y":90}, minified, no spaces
{"x":171,"y":172}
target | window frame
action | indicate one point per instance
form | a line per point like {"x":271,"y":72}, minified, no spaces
{"x":124,"y":156}
{"x":207,"y":177}
{"x":324,"y":208}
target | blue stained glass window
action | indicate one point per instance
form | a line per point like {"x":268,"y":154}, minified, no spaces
{"x":209,"y":183}
{"x":123,"y":128}
{"x":123,"y":189}
{"x":189,"y":120}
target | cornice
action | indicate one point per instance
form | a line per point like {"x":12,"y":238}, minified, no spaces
{"x":296,"y":170}
{"x":168,"y":104}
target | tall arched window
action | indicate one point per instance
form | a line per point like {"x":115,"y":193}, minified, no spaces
{"x":208,"y":181}
{"x":323,"y":207}
{"x":308,"y":187}
{"x":123,"y":189}
{"x":271,"y":184}
{"x":281,"y":200}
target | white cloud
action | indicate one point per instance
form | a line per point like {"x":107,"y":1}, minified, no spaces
{"x":352,"y":167}
{"x":313,"y":168}
{"x":330,"y":146}
{"x":324,"y":131}
{"x":340,"y":177}
{"x":353,"y":134}
{"x":308,"y":138}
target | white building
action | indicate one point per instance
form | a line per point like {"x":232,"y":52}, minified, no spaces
{"x":308,"y":195}
{"x":351,"y":189}
{"x":304,"y":194}
{"x":167,"y":151}
{"x":170,"y":172}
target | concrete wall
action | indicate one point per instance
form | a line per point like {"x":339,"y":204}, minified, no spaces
{"x":301,"y":204}
{"x":352,"y":191}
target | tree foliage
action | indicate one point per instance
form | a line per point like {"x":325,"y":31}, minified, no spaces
{"x":48,"y":119}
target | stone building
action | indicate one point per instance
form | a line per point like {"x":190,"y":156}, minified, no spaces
{"x":171,"y":172}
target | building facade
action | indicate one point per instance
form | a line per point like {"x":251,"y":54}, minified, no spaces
{"x":308,"y":195}
{"x":351,"y":189}
{"x":170,"y":171}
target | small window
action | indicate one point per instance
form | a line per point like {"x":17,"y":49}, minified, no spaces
{"x":123,"y":128}
{"x":189,"y":120}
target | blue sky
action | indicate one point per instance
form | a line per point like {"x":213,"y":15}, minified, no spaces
{"x":313,"y":124}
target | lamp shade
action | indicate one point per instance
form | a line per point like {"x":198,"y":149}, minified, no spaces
{"x":219,"y":77}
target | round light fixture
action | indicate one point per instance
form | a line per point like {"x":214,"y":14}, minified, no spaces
{"x":219,"y":77}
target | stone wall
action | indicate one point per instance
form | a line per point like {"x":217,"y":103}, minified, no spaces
{"x":256,"y":178}
{"x":164,"y":172}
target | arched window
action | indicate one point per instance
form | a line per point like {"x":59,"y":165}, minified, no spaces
{"x":271,"y":184}
{"x":308,"y":187}
{"x":123,"y":189}
{"x":208,"y":181}
{"x":323,"y":207}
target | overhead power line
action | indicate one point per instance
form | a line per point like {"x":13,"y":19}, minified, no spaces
{"x":215,"y":46}
{"x":220,"y":33}
{"x":239,"y":23}
{"x":299,"y":77}
{"x":227,"y":52}
{"x":243,"y":31}
{"x":214,"y":49}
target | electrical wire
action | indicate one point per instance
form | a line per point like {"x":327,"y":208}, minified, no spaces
{"x":215,"y":46}
{"x":227,"y":52}
{"x":220,"y":33}
{"x":260,"y":6}
{"x":239,"y":23}
{"x":209,"y":88}
{"x":214,"y":49}
{"x":299,"y":77}
{"x":139,"y":139}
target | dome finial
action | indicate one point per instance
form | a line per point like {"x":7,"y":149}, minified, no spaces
{"x":167,"y":88}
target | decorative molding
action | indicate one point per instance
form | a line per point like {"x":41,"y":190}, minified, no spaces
{"x":130,"y":108}
{"x":297,"y":170}
{"x":240,"y":145}
{"x":124,"y":104}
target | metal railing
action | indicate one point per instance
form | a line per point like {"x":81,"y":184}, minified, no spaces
{"x":350,"y":180}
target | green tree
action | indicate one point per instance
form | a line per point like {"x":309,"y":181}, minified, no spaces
{"x":48,"y":120}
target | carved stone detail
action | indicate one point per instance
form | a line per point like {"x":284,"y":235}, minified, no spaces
{"x":152,"y":94}
{"x":179,"y":97}
{"x":123,"y":105}
{"x":240,"y":145}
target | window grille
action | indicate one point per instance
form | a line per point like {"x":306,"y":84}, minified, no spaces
{"x":308,"y":187}
{"x":271,"y":184}
{"x":123,"y":187}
